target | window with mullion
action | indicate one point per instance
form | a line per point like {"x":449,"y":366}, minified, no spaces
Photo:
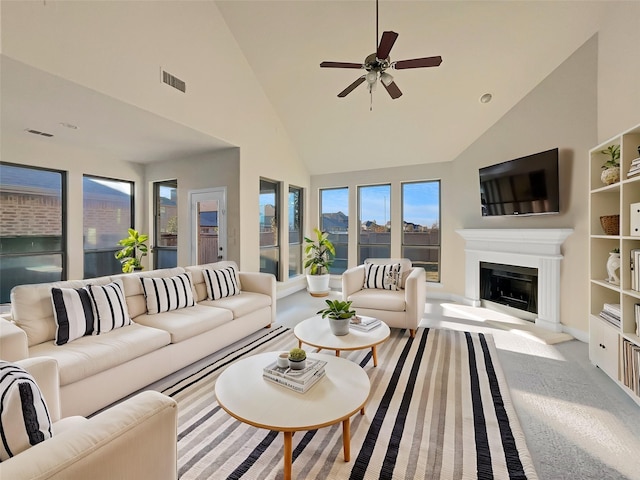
{"x":33,"y":219}
{"x":295,"y":231}
{"x":334,"y":219}
{"x":269,"y":217}
{"x":107,"y":216}
{"x":421,"y":226}
{"x":374,"y":212}
{"x":165,"y":250}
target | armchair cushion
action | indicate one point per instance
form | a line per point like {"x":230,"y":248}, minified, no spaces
{"x":24,"y":415}
{"x":386,"y":277}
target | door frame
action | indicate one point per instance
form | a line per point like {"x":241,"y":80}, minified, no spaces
{"x":208,"y":194}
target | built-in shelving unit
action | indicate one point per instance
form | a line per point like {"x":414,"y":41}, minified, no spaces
{"x":614,"y":346}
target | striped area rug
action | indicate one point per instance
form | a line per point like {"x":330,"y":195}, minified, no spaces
{"x":439,"y":409}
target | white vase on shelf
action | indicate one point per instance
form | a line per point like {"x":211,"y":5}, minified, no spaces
{"x":613,"y":264}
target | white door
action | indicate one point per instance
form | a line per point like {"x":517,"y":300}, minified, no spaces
{"x":208,"y":225}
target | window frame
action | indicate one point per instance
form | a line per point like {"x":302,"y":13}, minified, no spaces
{"x":274,"y":252}
{"x":158,"y":249}
{"x":359,"y":244}
{"x":297,"y":246}
{"x":339,"y":246}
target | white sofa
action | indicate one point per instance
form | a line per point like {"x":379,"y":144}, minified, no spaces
{"x":401,"y":308}
{"x":97,"y":370}
{"x":135,"y":439}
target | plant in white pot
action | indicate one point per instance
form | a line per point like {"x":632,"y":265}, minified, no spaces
{"x":319,"y":253}
{"x":611,"y":168}
{"x":340,"y":314}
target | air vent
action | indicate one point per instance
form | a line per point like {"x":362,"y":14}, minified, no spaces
{"x":36,"y":132}
{"x":173,"y":81}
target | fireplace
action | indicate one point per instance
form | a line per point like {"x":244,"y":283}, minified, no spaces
{"x":537,"y":249}
{"x":510,"y":285}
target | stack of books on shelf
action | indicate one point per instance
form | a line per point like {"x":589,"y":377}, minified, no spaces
{"x":364,"y":324}
{"x":611,"y":313}
{"x":631,"y":366}
{"x":297,"y":380}
{"x":635,"y":269}
{"x":635,"y":168}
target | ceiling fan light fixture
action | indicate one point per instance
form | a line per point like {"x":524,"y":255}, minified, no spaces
{"x":372,"y":77}
{"x":386,"y":79}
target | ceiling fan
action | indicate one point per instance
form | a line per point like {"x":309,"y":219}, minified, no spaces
{"x":377,"y":63}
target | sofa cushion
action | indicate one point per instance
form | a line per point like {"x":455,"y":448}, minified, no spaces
{"x":93,"y":354}
{"x":187,"y":322}
{"x":168,"y":293}
{"x":386,"y":277}
{"x":24,"y":416}
{"x":378,"y":299}
{"x":109,"y":307}
{"x":32,"y":309}
{"x":241,"y":304}
{"x":73,"y":313}
{"x":221,"y":282}
{"x":197,"y":277}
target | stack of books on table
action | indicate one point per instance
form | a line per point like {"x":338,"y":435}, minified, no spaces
{"x":611,"y":313}
{"x":635,"y":168}
{"x":363,"y":323}
{"x":297,"y":380}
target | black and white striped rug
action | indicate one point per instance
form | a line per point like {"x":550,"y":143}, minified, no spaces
{"x":439,"y":409}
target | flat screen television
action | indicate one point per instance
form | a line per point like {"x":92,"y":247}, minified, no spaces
{"x":523,"y":186}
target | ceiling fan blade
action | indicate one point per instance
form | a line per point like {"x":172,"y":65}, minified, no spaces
{"x":393,"y":90}
{"x":351,"y":87}
{"x":386,"y":42}
{"x":340,"y":65}
{"x":418,"y":63}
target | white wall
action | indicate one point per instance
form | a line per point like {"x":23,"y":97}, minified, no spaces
{"x":117,"y":48}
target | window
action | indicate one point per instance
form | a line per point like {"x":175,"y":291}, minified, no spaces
{"x":374,"y":239}
{"x":269,"y":215}
{"x":334,"y":202}
{"x":165,"y":250}
{"x":32,"y":238}
{"x":107,"y":215}
{"x":295,"y":231}
{"x":421,"y":226}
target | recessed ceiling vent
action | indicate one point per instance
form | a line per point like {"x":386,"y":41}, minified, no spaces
{"x":36,"y":132}
{"x":173,"y":81}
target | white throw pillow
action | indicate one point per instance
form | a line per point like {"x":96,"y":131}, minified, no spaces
{"x":221,"y":282}
{"x":168,"y":293}
{"x":24,"y":415}
{"x":109,"y":307}
{"x":73,"y":313}
{"x":386,"y":277}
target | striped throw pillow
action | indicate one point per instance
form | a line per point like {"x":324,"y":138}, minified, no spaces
{"x":109,"y":307}
{"x":386,"y":277}
{"x":221,"y":282}
{"x":24,"y":416}
{"x":169,"y":293}
{"x":73,"y":313}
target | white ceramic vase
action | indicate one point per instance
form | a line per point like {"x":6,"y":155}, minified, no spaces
{"x":613,"y":264}
{"x":318,"y":285}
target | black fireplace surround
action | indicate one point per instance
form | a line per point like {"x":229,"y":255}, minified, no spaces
{"x":511,"y":285}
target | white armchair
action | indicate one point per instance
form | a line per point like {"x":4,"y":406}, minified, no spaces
{"x":135,"y":439}
{"x":399,"y":309}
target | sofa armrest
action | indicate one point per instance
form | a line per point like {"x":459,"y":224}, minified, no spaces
{"x":13,"y":341}
{"x":352,"y":281}
{"x":132,"y":440}
{"x":415,"y":292}
{"x":258,"y":282}
{"x":44,"y":371}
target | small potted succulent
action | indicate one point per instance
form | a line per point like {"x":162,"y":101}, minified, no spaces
{"x":611,"y":168}
{"x":297,"y":359}
{"x":340,"y":314}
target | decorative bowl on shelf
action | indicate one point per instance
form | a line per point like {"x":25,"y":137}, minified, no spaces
{"x":610,"y":224}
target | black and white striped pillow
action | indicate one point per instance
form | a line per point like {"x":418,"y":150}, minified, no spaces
{"x":386,"y":277}
{"x":24,"y":416}
{"x":109,"y":307}
{"x":73,"y":313}
{"x":221,"y":282}
{"x":169,"y":293}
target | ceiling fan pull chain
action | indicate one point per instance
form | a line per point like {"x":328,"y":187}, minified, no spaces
{"x":370,"y":100}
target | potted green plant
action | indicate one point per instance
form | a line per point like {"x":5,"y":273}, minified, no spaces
{"x":319,"y":253}
{"x":611,"y":168}
{"x":340,"y":314}
{"x":134,"y":248}
{"x":297,"y":359}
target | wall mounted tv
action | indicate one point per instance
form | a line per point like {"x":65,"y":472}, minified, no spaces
{"x":523,"y":186}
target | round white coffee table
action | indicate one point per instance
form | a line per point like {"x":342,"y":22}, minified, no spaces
{"x":316,"y":332}
{"x":245,"y":395}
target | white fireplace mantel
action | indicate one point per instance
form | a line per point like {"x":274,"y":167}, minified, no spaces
{"x":535,"y":248}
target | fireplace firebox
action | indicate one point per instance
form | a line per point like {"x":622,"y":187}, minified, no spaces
{"x":510,"y":285}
